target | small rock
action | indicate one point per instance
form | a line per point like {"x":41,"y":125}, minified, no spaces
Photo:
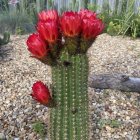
{"x":2,"y":108}
{"x":127,"y":118}
{"x":108,"y":128}
{"x":116,"y":136}
{"x":16,"y":138}
{"x":125,"y":133}
{"x":31,"y":136}
{"x":129,"y":137}
{"x":97,"y":130}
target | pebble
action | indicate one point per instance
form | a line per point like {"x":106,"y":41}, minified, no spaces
{"x":127,"y":118}
{"x":108,"y":128}
{"x":116,"y":136}
{"x":16,"y":139}
{"x":129,"y":137}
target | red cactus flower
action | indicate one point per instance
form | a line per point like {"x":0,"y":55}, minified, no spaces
{"x":50,"y":14}
{"x":84,"y":13}
{"x":41,"y":93}
{"x":91,"y":28}
{"x":71,"y":24}
{"x":37,"y":46}
{"x":48,"y":30}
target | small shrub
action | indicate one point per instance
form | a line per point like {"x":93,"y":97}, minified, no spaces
{"x":5,"y":39}
{"x":10,"y":23}
{"x":39,"y":128}
{"x":124,"y":22}
{"x":113,"y":28}
{"x":111,"y":123}
{"x":135,"y":27}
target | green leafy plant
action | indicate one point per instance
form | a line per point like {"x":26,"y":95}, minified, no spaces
{"x":112,"y":123}
{"x":10,"y":22}
{"x":22,"y":16}
{"x":135,"y":27}
{"x":19,"y":31}
{"x":122,"y":21}
{"x":130,"y":25}
{"x":5,"y":39}
{"x":39,"y":128}
{"x":128,"y":21}
{"x":113,"y":28}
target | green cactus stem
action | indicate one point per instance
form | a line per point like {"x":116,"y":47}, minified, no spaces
{"x":71,"y":44}
{"x":69,"y":119}
{"x":5,"y":39}
{"x":85,"y":44}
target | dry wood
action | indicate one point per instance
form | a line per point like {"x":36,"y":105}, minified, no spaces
{"x":115,"y":81}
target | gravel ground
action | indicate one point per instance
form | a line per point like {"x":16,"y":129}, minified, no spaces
{"x":114,"y":115}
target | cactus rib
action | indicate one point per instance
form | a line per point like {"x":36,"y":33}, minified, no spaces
{"x":69,"y":120}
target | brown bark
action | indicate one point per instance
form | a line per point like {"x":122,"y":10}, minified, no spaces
{"x":115,"y":81}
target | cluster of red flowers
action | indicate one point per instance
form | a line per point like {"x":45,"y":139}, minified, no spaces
{"x":51,"y":27}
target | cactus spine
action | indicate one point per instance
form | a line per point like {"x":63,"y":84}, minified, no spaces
{"x":69,"y":120}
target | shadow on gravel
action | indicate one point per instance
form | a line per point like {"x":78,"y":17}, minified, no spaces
{"x":5,"y":52}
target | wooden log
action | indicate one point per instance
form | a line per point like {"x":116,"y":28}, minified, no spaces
{"x":115,"y":81}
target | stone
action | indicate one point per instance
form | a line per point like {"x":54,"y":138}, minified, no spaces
{"x":108,"y":128}
{"x":116,"y":136}
{"x":129,"y":137}
{"x":127,"y":118}
{"x":16,"y":138}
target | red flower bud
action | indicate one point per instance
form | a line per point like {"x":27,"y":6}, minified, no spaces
{"x":41,"y":93}
{"x":37,"y":46}
{"x":91,"y":28}
{"x":84,"y":13}
{"x":71,"y":24}
{"x":50,"y":14}
{"x":48,"y":30}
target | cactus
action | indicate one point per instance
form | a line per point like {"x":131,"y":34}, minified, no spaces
{"x":5,"y":39}
{"x":65,"y":51}
{"x":69,"y":120}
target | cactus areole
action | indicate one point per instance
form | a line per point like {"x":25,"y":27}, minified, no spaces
{"x":62,"y":42}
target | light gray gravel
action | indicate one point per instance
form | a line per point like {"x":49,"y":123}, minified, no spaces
{"x":114,"y":115}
